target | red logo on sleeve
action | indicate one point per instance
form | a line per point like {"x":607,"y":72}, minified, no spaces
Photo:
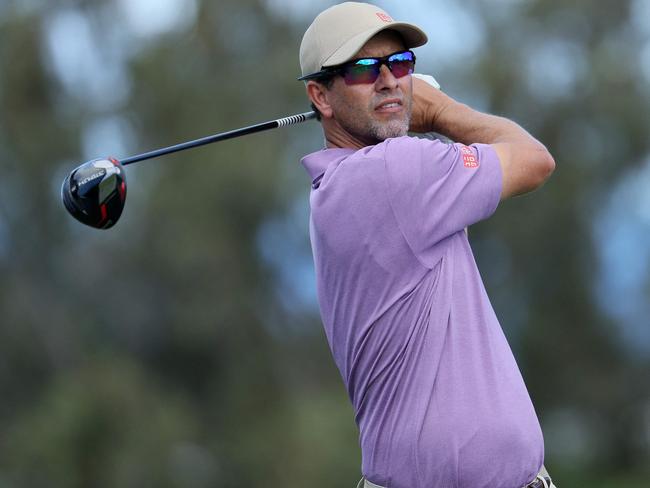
{"x":469,"y":160}
{"x":384,"y":17}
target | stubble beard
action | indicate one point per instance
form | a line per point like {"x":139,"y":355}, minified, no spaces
{"x":374,"y":131}
{"x":385,"y":130}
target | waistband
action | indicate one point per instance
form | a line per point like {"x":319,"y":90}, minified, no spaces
{"x":542,"y":480}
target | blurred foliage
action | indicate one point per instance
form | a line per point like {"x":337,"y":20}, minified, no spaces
{"x":163,"y":353}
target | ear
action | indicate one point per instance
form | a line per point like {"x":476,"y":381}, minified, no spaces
{"x":318,"y":94}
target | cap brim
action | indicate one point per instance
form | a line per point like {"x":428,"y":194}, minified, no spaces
{"x":413,"y":37}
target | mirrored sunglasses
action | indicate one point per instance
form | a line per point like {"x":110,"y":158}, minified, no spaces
{"x":366,"y":70}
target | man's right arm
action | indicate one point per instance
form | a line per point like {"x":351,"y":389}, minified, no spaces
{"x":525,"y":162}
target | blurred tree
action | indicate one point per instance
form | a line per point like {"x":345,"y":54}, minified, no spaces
{"x":168,"y":351}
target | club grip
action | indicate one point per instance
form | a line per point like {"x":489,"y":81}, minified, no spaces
{"x":295,"y":119}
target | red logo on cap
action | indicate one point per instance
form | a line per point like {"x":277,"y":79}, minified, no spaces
{"x":384,"y":17}
{"x":469,"y":160}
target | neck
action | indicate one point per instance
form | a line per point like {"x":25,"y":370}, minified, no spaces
{"x":337,"y":137}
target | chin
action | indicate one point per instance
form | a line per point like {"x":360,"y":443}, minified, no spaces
{"x":387,"y":130}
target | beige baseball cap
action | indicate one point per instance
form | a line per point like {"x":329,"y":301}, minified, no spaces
{"x":337,"y":34}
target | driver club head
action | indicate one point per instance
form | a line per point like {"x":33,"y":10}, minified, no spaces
{"x":95,"y":192}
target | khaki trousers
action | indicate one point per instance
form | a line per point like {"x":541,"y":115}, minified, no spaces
{"x":364,"y":483}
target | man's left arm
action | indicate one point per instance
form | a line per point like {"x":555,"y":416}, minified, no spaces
{"x":525,"y":162}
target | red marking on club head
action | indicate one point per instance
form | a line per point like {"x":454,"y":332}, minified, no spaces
{"x":102,"y":208}
{"x":384,"y":17}
{"x":469,"y":160}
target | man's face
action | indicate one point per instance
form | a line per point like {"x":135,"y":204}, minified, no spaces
{"x":375,"y":111}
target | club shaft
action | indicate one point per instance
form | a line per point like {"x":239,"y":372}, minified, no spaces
{"x":271,"y":124}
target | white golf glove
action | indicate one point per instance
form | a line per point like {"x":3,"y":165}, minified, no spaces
{"x":429,"y":79}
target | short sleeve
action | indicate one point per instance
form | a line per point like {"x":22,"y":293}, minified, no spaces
{"x":437,"y":189}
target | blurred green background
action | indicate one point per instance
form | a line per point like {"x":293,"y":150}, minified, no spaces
{"x":183,"y":347}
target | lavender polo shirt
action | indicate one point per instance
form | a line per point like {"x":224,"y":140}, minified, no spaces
{"x":438,"y":396}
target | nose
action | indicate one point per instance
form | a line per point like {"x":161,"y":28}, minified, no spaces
{"x":386,"y":79}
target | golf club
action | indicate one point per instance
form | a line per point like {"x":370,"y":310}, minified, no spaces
{"x":95,"y":192}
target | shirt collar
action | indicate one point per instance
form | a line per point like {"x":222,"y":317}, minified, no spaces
{"x":317,"y":163}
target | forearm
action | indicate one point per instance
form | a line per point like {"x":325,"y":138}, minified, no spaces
{"x":457,"y":121}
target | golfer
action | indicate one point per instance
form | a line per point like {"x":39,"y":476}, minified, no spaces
{"x":438,"y":397}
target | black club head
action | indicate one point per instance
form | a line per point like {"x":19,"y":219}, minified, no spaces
{"x":95,"y":192}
